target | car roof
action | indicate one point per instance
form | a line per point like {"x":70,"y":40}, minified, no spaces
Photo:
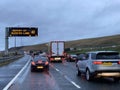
{"x":40,"y":58}
{"x":73,"y":55}
{"x":96,"y":52}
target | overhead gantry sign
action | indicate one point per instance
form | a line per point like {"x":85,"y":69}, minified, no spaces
{"x":22,"y":31}
{"x":19,"y":32}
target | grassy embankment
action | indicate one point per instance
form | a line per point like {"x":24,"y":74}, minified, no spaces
{"x":84,"y":45}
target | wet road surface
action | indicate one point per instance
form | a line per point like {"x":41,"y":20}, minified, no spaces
{"x":61,"y":76}
{"x":8,"y":72}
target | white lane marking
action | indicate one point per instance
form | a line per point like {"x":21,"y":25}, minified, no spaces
{"x":57,"y":69}
{"x":13,"y":80}
{"x":75,"y":84}
{"x":67,"y":78}
{"x":24,"y":75}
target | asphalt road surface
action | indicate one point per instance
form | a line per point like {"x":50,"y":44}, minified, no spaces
{"x":8,"y":72}
{"x":61,"y":76}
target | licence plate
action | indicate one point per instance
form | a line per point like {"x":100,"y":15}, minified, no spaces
{"x":57,"y":58}
{"x":107,"y":64}
{"x":40,"y":67}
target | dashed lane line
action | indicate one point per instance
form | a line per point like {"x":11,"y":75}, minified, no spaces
{"x":67,"y":78}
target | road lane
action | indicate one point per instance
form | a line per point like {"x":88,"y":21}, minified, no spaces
{"x":8,"y":72}
{"x":51,"y":80}
{"x":69,"y":69}
{"x":61,"y":76}
{"x":35,"y":81}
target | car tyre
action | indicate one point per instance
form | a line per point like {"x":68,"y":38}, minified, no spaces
{"x":87,"y":75}
{"x":68,"y":60}
{"x":32,"y":70}
{"x":78,"y":73}
{"x":116,"y":79}
{"x":47,"y":68}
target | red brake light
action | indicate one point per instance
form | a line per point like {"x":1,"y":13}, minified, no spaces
{"x":118,"y":62}
{"x":51,"y":58}
{"x":63,"y":58}
{"x":97,"y":62}
{"x":46,"y":63}
{"x":33,"y":63}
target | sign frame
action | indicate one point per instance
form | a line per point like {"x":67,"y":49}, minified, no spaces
{"x":22,"y":31}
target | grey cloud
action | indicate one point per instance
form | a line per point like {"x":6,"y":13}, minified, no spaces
{"x":61,"y":19}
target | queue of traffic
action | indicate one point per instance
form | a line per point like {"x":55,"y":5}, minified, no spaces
{"x":93,"y":65}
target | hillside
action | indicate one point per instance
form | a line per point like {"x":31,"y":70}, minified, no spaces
{"x":83,"y":43}
{"x":95,"y":42}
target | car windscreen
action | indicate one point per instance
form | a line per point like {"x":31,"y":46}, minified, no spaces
{"x":108,"y":55}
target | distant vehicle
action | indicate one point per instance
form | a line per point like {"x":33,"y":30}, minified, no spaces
{"x":39,"y":63}
{"x":99,"y":64}
{"x":56,"y":51}
{"x":71,"y":57}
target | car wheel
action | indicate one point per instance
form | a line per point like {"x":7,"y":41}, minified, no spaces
{"x":68,"y":60}
{"x":88,"y":76}
{"x":47,"y":68}
{"x":78,"y":72}
{"x":116,"y":79}
{"x":32,"y":70}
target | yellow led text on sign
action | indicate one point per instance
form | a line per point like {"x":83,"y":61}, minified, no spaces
{"x":33,"y":31}
{"x":23,"y":32}
{"x":16,"y":32}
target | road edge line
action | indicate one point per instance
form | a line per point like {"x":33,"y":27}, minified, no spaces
{"x":13,"y":80}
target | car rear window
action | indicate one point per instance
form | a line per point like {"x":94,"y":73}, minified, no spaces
{"x":73,"y":55}
{"x":108,"y":55}
{"x":40,"y":58}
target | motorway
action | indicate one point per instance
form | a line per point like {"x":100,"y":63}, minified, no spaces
{"x":61,"y":76}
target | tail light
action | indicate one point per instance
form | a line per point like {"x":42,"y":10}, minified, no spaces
{"x":46,"y":63}
{"x":63,"y":59}
{"x":97,"y":62}
{"x":51,"y":59}
{"x":118,"y":62}
{"x":33,"y":63}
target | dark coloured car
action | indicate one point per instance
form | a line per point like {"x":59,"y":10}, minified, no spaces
{"x":39,"y":63}
{"x":71,"y":57}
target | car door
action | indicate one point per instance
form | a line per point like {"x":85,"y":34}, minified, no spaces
{"x":85,"y":62}
{"x":81,"y":62}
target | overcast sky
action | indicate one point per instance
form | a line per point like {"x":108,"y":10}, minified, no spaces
{"x":59,"y":19}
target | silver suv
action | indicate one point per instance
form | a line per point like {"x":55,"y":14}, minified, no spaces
{"x":99,"y":64}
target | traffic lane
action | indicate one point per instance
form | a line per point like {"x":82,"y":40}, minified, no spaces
{"x":64,"y":82}
{"x":35,"y":81}
{"x":7,"y":72}
{"x":55,"y":79}
{"x":69,"y":69}
{"x":46,"y":80}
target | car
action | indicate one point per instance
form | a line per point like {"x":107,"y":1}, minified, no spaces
{"x":71,"y":57}
{"x":98,"y":64}
{"x":39,"y":63}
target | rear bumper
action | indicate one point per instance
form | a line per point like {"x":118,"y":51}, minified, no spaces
{"x":57,"y":58}
{"x":40,"y":67}
{"x":107,"y":73}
